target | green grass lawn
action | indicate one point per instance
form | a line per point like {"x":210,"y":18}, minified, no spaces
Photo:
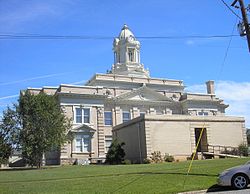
{"x":143,"y":178}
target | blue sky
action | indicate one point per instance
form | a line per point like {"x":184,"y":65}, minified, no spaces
{"x":36,"y":63}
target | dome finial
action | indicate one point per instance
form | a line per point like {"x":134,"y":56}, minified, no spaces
{"x":125,"y":32}
{"x":125,"y":26}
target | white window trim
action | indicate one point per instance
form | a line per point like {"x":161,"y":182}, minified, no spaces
{"x":90,"y":143}
{"x":82,"y":107}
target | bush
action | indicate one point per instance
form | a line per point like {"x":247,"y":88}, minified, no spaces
{"x":115,"y":153}
{"x":126,"y":161}
{"x":168,"y":158}
{"x":146,"y":161}
{"x":156,"y":157}
{"x":243,"y":149}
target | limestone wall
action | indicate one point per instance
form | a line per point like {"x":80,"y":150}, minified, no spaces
{"x":134,"y":137}
{"x":175,"y":134}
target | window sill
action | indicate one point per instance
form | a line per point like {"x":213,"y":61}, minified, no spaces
{"x":83,"y":152}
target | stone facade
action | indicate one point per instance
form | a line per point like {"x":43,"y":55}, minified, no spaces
{"x":127,"y":93}
{"x":175,"y":134}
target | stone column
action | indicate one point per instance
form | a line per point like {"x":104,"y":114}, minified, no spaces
{"x":100,"y":132}
{"x":135,"y":112}
{"x":152,"y":111}
{"x":118,"y":119}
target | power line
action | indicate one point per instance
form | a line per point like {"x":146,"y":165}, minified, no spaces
{"x":83,"y":37}
{"x":227,"y":49}
{"x":231,"y":9}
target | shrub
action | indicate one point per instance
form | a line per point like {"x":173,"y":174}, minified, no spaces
{"x":146,"y":161}
{"x":156,"y":157}
{"x":168,"y":158}
{"x":127,"y":162}
{"x":243,"y":149}
{"x":115,"y":153}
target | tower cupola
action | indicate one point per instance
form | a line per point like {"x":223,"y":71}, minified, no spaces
{"x":127,"y":55}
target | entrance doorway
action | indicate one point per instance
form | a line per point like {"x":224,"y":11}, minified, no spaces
{"x":203,"y":146}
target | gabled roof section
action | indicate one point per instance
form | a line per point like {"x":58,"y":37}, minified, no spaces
{"x":83,"y":128}
{"x":143,"y":94}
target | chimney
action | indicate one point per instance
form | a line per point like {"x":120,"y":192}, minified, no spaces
{"x":210,"y":87}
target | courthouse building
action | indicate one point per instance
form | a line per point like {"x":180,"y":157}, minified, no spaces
{"x":148,"y":114}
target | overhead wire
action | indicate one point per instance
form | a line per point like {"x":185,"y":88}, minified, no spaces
{"x":56,"y":37}
{"x":227,"y":49}
{"x":231,"y":9}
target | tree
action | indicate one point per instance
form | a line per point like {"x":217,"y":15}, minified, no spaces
{"x":9,"y":133}
{"x":115,"y":153}
{"x":44,"y":126}
{"x":248,"y":137}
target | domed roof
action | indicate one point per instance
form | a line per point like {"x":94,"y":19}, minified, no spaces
{"x":125,"y":33}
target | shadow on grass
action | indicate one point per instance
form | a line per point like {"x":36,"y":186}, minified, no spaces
{"x":176,"y":173}
{"x":100,"y":175}
{"x":27,"y":168}
{"x":218,"y":188}
{"x":18,"y":169}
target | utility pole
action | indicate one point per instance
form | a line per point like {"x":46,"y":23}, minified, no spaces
{"x":245,"y":20}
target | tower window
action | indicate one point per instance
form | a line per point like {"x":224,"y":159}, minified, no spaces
{"x":131,"y":55}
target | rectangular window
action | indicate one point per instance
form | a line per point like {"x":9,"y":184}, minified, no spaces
{"x":203,"y":113}
{"x":82,"y":143}
{"x":108,"y":142}
{"x":78,"y":115}
{"x":79,"y":144}
{"x":86,"y":141}
{"x":108,"y":118}
{"x":82,"y":115}
{"x":86,"y":115}
{"x":126,"y":116}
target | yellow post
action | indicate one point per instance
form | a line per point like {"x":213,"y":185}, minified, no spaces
{"x":194,"y":154}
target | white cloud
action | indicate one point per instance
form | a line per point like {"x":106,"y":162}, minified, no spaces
{"x":236,"y":94}
{"x":33,"y":78}
{"x":13,"y":13}
{"x":8,"y":97}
